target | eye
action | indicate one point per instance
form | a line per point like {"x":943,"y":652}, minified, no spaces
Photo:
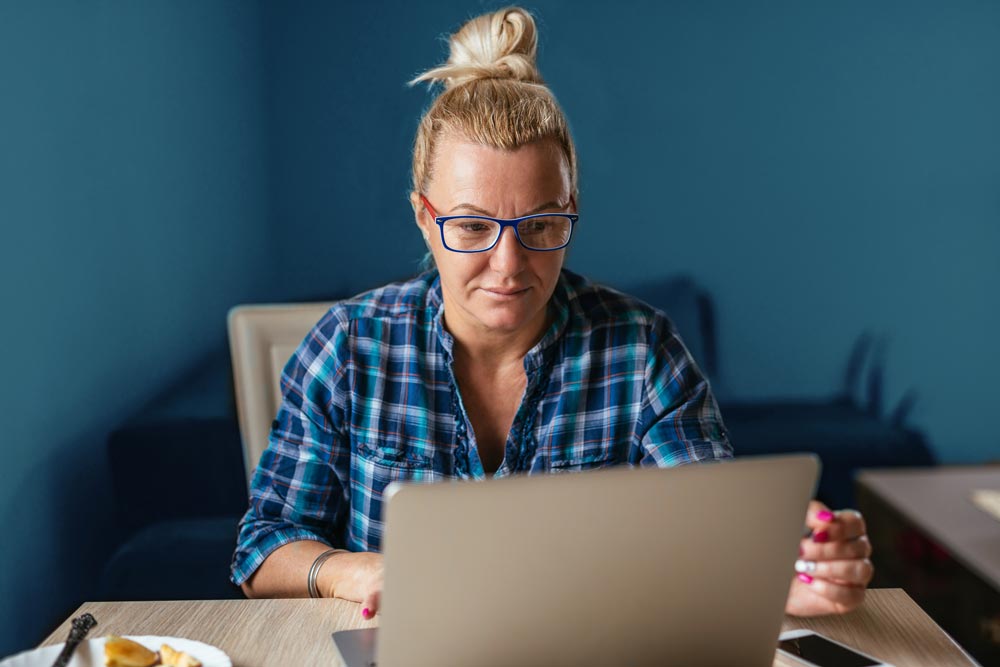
{"x":535,"y":225}
{"x":473,"y":227}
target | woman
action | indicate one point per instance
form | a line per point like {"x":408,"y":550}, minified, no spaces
{"x":496,"y":363}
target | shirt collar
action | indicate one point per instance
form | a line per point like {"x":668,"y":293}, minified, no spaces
{"x":435,"y":307}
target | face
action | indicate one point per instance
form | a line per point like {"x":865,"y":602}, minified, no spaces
{"x":504,"y":290}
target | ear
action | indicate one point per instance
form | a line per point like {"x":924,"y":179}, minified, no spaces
{"x":420,"y":215}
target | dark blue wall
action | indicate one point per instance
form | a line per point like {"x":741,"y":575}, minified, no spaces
{"x":133,"y":204}
{"x":822,"y":168}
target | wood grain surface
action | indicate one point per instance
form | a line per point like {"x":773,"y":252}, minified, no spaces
{"x":278,"y":633}
{"x":889,"y":626}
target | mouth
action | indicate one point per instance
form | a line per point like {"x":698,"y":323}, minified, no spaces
{"x":505,"y":293}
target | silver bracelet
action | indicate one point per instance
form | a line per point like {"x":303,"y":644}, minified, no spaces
{"x":314,"y":571}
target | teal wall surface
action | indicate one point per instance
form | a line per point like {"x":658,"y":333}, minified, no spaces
{"x":823,"y":169}
{"x":133,"y":204}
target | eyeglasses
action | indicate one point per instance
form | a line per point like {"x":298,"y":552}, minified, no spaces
{"x":479,"y":233}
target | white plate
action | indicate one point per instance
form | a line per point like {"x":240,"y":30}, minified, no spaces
{"x":91,"y":653}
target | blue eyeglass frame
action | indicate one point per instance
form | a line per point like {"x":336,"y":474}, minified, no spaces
{"x":504,"y":223}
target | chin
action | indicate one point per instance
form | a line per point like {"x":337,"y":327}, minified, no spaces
{"x":506,"y":319}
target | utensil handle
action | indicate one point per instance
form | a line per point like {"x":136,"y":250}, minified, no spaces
{"x":81,"y":626}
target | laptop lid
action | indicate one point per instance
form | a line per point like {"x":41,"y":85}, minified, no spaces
{"x":678,"y":566}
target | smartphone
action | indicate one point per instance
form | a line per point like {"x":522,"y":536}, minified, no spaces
{"x":818,"y":651}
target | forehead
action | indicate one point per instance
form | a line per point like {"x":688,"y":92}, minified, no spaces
{"x":499,"y":178}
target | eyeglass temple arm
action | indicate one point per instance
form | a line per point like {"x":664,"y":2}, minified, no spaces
{"x":430,"y":209}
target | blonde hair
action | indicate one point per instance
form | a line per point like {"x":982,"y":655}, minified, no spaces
{"x":493,"y":94}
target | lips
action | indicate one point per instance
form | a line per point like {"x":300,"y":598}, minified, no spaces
{"x":502,"y":294}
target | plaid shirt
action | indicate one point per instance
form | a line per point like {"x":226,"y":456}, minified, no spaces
{"x":370,"y":397}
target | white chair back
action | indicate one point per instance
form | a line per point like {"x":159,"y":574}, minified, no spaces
{"x":262,"y":338}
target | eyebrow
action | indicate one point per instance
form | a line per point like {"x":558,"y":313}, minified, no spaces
{"x":479,"y":211}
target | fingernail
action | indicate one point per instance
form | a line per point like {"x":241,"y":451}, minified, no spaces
{"x":805,"y":578}
{"x":805,"y":566}
{"x":825,"y":515}
{"x":366,"y":612}
{"x":821,"y":536}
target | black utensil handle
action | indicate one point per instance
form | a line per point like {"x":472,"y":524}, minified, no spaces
{"x":81,"y":626}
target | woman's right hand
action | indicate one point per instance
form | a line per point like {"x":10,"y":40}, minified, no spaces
{"x":355,"y":576}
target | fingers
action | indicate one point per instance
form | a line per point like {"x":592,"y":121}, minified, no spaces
{"x":841,"y":550}
{"x":828,"y":526}
{"x":370,"y":605}
{"x":834,"y":565}
{"x":836,"y":598}
{"x":818,"y":515}
{"x":858,"y":572}
{"x":835,"y":559}
{"x":846,"y":525}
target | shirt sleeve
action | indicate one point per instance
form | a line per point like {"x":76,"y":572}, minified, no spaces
{"x":297,"y":492}
{"x":679,"y":417}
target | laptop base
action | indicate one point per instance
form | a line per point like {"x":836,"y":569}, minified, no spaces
{"x":356,"y":647}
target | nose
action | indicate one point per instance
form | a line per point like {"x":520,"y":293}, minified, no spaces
{"x":508,"y":255}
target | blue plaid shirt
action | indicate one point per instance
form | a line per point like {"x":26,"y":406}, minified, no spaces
{"x":370,"y":397}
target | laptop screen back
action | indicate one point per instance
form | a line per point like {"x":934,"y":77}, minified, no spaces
{"x":619,"y":566}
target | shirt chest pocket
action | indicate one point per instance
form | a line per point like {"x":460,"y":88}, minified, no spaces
{"x":375,"y":467}
{"x":578,"y":462}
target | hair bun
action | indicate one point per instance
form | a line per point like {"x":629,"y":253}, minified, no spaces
{"x":501,"y":45}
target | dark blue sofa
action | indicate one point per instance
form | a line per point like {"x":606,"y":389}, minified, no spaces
{"x":180,"y":489}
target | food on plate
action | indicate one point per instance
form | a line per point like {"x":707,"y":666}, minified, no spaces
{"x":121,"y":652}
{"x":174,"y":658}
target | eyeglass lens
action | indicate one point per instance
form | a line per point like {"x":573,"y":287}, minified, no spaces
{"x":541,"y":233}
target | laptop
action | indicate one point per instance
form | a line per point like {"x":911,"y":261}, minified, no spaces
{"x":622,"y":566}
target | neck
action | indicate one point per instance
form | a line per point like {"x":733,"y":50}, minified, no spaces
{"x":487,"y":347}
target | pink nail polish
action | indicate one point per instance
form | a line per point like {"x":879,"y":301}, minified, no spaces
{"x":366,"y":612}
{"x":821,"y":537}
{"x":805,"y":578}
{"x":824,"y":515}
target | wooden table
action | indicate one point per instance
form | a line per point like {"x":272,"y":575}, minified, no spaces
{"x":278,"y":633}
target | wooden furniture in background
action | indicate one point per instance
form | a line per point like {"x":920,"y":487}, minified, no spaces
{"x":930,"y":539}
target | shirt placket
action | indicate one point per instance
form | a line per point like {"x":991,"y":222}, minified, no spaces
{"x":521,"y":442}
{"x":467,"y":463}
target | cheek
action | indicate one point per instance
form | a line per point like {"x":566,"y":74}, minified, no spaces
{"x":548,"y":265}
{"x":458,"y":269}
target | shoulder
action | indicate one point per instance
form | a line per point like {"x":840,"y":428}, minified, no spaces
{"x":594,"y":307}
{"x":373,"y":315}
{"x":395,"y":300}
{"x":400,"y":303}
